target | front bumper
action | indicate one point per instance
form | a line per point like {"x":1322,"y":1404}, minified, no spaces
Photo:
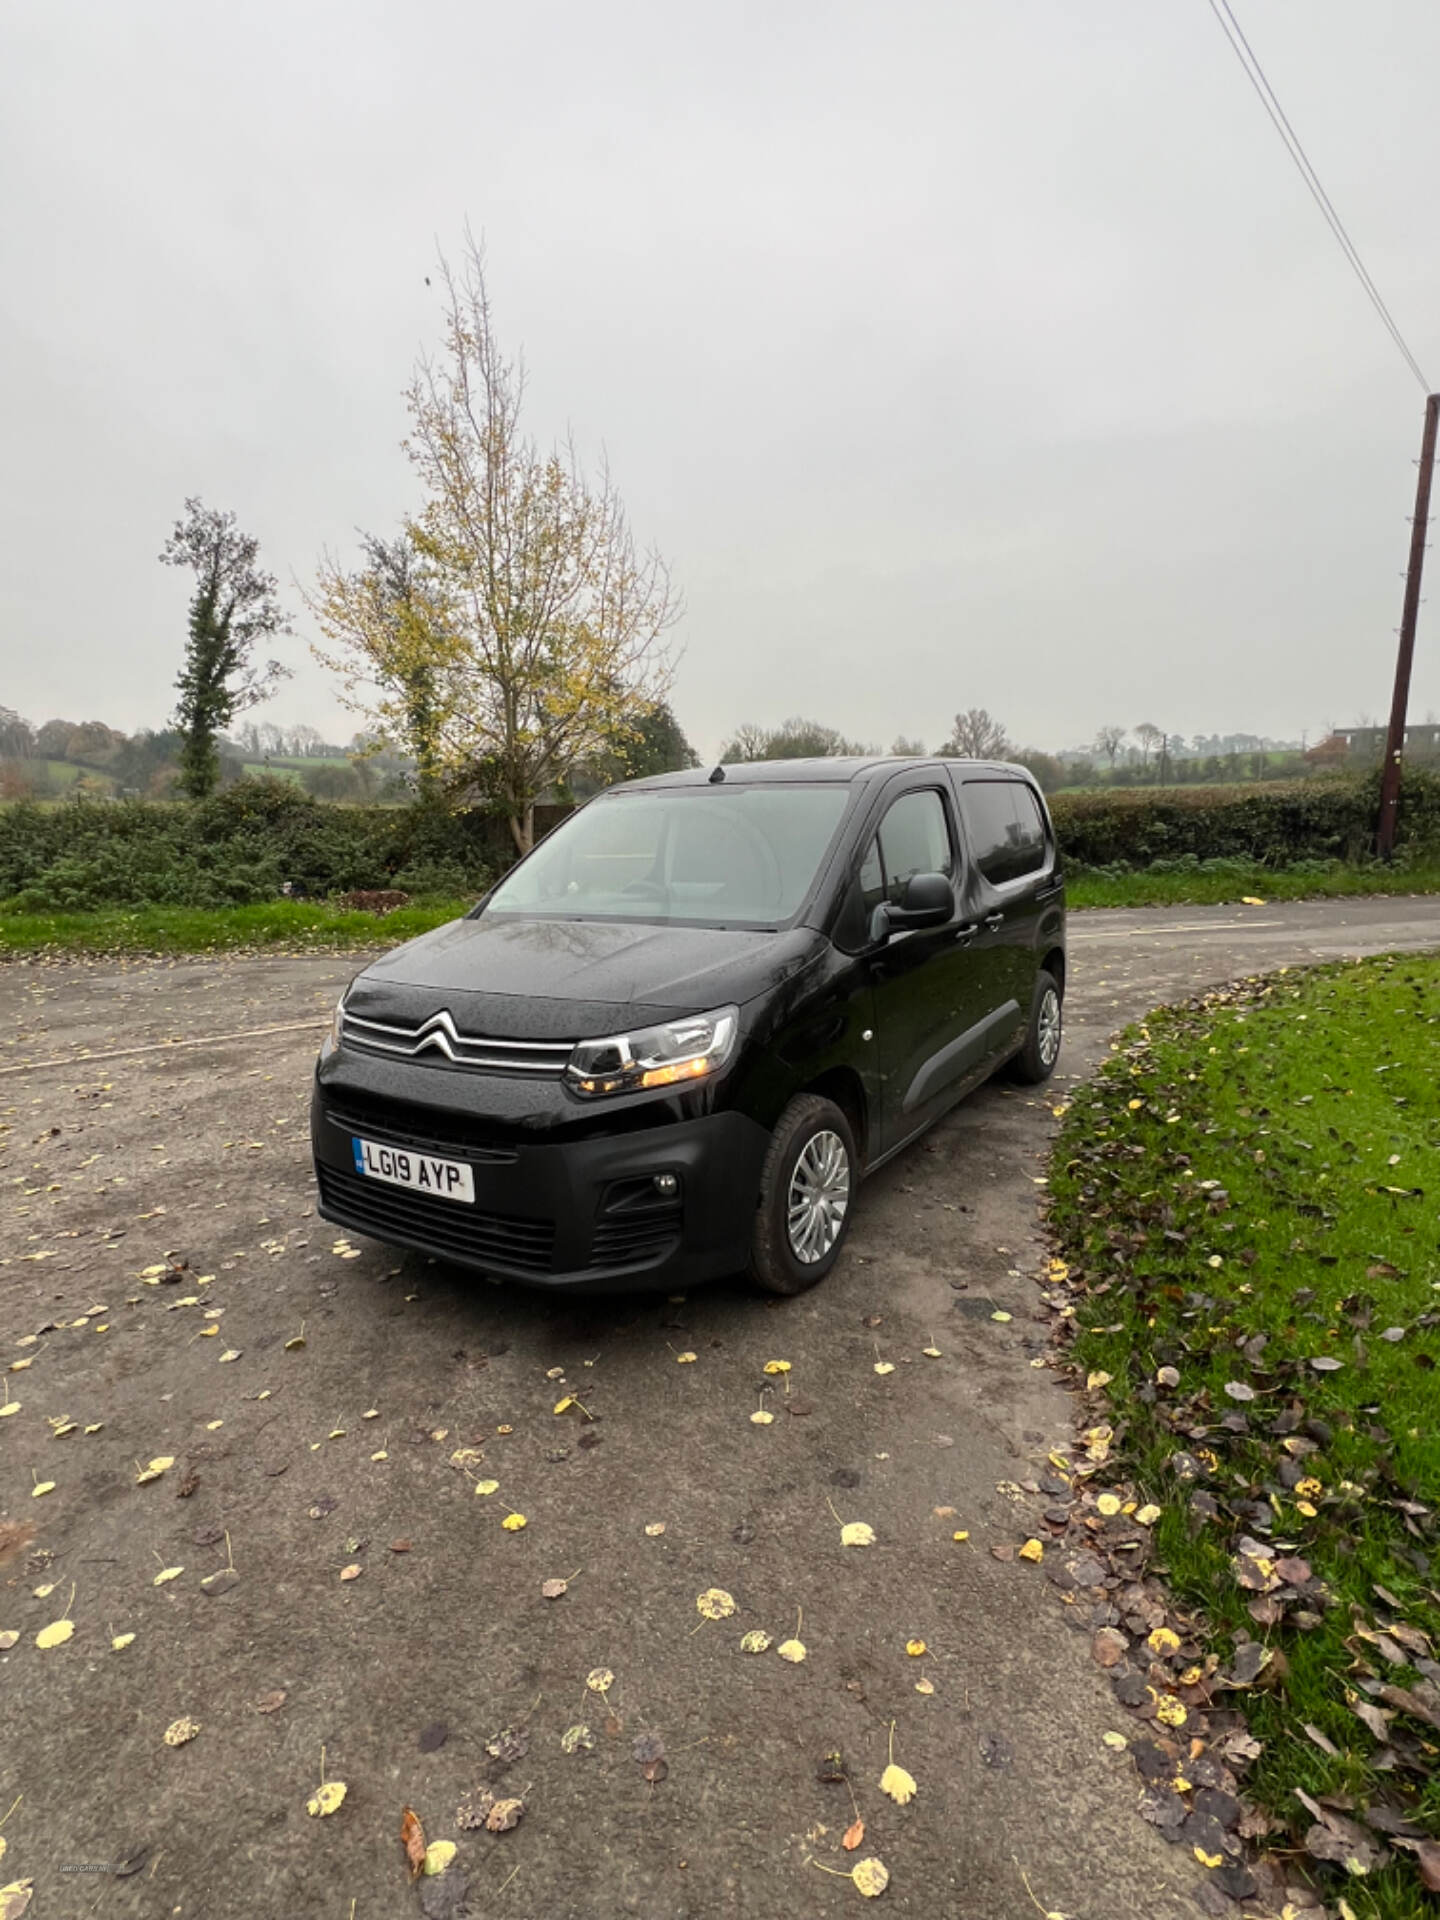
{"x":574,"y":1214}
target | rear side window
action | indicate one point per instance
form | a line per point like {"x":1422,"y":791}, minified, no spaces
{"x":1007,"y":831}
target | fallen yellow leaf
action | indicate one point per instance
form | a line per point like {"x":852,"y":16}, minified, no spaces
{"x":438,"y":1856}
{"x":167,"y":1574}
{"x":871,"y":1877}
{"x":1032,"y":1550}
{"x":513,"y":1522}
{"x":777,"y":1366}
{"x":326,"y":1798}
{"x":55,"y":1635}
{"x":755,"y":1641}
{"x":857,"y":1533}
{"x":791,"y":1650}
{"x":487,"y":1486}
{"x":121,"y":1641}
{"x":684,"y":1359}
{"x":915,"y":1648}
{"x":715,"y":1603}
{"x":761,"y":1418}
{"x":898,"y":1784}
{"x":180,"y":1732}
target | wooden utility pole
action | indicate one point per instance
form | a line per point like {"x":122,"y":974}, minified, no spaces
{"x":1395,"y":738}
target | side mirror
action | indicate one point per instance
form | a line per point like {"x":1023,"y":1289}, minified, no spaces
{"x":929,"y":902}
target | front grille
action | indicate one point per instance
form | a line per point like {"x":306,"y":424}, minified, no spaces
{"x":626,"y":1243}
{"x":425,"y":1131}
{"x":440,"y":1035}
{"x":448,"y":1226}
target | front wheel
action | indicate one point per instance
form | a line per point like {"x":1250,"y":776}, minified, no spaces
{"x":1036,"y":1059}
{"x":806,"y":1191}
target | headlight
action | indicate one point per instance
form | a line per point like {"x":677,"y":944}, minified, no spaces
{"x":685,"y":1049}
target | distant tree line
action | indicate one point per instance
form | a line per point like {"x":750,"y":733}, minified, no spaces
{"x":974,"y":735}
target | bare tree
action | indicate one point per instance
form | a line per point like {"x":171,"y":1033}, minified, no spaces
{"x":908,"y":749}
{"x":977,"y":735}
{"x":1150,"y":737}
{"x":1109,"y":740}
{"x":17,"y":736}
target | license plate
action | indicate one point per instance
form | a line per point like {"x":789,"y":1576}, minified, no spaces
{"x":421,"y":1172}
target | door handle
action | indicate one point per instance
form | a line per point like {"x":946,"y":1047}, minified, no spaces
{"x":994,"y":920}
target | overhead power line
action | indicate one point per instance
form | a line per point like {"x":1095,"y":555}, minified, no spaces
{"x":1245,"y":54}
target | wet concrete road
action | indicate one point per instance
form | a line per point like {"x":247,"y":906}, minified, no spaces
{"x":405,"y":1671}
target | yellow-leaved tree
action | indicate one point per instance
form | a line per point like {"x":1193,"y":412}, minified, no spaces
{"x":515,"y":632}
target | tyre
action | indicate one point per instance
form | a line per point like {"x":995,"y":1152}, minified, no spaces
{"x":807,"y":1190}
{"x":1036,"y":1059}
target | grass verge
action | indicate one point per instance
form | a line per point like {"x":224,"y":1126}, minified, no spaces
{"x":1247,"y":1199}
{"x":1218,"y":882}
{"x":292,"y":924}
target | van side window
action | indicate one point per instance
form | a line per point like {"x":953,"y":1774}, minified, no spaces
{"x":1007,"y":832}
{"x":1030,"y":846}
{"x":915,"y":838}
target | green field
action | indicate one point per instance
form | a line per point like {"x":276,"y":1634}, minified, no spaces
{"x":1247,"y":1200}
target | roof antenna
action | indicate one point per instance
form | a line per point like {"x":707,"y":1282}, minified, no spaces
{"x":717,"y":776}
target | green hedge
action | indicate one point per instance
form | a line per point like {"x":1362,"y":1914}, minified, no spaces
{"x":242,"y":846}
{"x":245,"y":844}
{"x":1276,"y":823}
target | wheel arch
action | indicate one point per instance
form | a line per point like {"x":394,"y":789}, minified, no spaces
{"x":1054,"y":963}
{"x":844,"y":1086}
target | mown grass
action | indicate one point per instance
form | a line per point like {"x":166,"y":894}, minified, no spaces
{"x":1220,"y":882}
{"x":290,"y":924}
{"x":1251,"y":1185}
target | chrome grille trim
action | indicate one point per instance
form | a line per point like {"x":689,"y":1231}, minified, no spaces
{"x":439,"y":1034}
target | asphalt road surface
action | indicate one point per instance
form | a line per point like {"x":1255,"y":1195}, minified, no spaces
{"x":156,"y":1112}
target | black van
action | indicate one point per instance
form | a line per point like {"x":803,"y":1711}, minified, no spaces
{"x":671,"y":1041}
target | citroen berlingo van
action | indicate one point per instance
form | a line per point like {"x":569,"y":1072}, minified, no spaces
{"x":672,"y":1041}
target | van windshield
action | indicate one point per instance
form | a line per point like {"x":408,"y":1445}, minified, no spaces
{"x":726,"y":855}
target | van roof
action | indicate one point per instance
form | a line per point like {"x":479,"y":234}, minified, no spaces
{"x":839,"y":772}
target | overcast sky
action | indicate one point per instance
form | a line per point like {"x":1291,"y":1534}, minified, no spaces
{"x":984,"y":352}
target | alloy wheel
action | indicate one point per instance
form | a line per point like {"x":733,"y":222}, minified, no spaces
{"x":819,"y":1196}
